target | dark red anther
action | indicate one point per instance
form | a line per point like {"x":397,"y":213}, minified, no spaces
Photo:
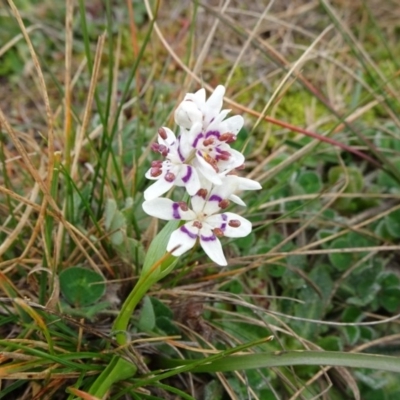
{"x":163,"y":134}
{"x":234,"y":223}
{"x":163,"y":150}
{"x":155,"y":147}
{"x":155,"y":171}
{"x":202,"y":193}
{"x":208,"y":141}
{"x":183,"y":206}
{"x":227,"y":137}
{"x":224,"y":203}
{"x":156,"y":164}
{"x":224,"y":155}
{"x":169,"y":177}
{"x":197,"y":224}
{"x":218,"y":232}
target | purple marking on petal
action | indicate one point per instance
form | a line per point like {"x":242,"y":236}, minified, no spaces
{"x":208,"y":238}
{"x":213,"y":133}
{"x":198,"y":137}
{"x":179,"y":149}
{"x":188,"y":174}
{"x":186,"y":230}
{"x":224,"y":217}
{"x":215,"y":197}
{"x":223,"y":226}
{"x":175,"y":211}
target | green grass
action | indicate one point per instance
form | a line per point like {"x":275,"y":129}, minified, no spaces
{"x":91,"y":306}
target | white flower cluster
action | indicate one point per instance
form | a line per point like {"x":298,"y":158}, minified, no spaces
{"x":201,"y":160}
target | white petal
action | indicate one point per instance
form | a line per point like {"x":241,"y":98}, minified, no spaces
{"x":190,"y":139}
{"x":222,"y":221}
{"x":206,"y":169}
{"x":241,"y":183}
{"x":237,"y":200}
{"x":215,"y":125}
{"x":167,"y":209}
{"x":157,"y":189}
{"x":200,"y":97}
{"x":197,"y":203}
{"x":171,"y":138}
{"x":187,"y":114}
{"x":232,"y":125}
{"x":212,"y":246}
{"x":189,"y":178}
{"x":214,"y":103}
{"x":236,"y":160}
{"x":185,"y":237}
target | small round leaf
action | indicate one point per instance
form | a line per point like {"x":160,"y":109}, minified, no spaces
{"x":81,"y":287}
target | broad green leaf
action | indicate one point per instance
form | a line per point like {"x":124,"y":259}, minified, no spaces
{"x":147,"y":319}
{"x":81,"y":286}
{"x":341,"y":261}
{"x":310,"y":182}
{"x":157,"y":249}
{"x":389,"y":298}
{"x":392,"y":221}
{"x":118,"y":369}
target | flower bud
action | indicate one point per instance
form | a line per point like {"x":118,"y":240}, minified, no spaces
{"x":187,"y":114}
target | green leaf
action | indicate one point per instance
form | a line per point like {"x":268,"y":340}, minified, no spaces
{"x":160,"y":309}
{"x":341,"y":261}
{"x":392,"y":221}
{"x":389,"y":298}
{"x":166,"y":325}
{"x":110,"y":210}
{"x":118,"y":369}
{"x":81,"y":286}
{"x":157,"y":249}
{"x":331,"y":343}
{"x":287,"y":358}
{"x":310,"y":182}
{"x":213,"y":391}
{"x":147,"y":318}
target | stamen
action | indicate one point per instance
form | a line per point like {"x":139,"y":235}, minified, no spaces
{"x":224,"y":155}
{"x":155,"y":171}
{"x":208,"y":141}
{"x":202,"y":193}
{"x":163,"y":150}
{"x":218,"y":232}
{"x":227,"y":137}
{"x":212,"y":162}
{"x":183,"y":206}
{"x":155,"y":146}
{"x":234,"y":223}
{"x":163,"y":134}
{"x":169,"y":177}
{"x":197,"y":224}
{"x":156,"y":164}
{"x":224,"y":203}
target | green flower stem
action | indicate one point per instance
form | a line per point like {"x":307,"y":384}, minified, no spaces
{"x":148,"y":278}
{"x":121,"y":322}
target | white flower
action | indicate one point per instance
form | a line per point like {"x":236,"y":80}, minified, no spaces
{"x":195,"y":108}
{"x":174,"y":170}
{"x":204,"y":223}
{"x":230,"y":185}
